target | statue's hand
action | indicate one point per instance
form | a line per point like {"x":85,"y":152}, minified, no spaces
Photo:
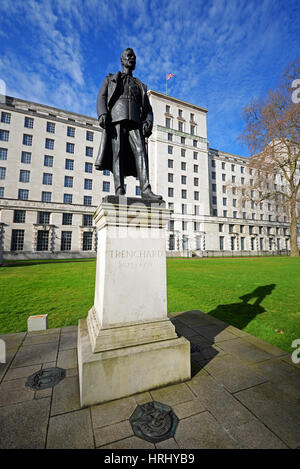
{"x":103,"y":121}
{"x":147,"y":128}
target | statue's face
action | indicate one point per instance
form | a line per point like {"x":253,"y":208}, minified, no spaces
{"x":128,"y":59}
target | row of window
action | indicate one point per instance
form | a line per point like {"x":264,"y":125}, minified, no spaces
{"x":183,"y":179}
{"x":43,"y":218}
{"x":49,"y":143}
{"x":50,"y":126}
{"x":241,"y":229}
{"x":183,"y":166}
{"x":183,"y":193}
{"x":42,"y":244}
{"x":256,"y":244}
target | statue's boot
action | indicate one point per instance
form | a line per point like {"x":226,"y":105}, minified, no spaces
{"x":148,"y":194}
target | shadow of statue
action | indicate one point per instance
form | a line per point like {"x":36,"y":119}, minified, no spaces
{"x":206,"y":331}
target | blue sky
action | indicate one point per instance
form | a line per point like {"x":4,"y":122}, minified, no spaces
{"x":223,"y":52}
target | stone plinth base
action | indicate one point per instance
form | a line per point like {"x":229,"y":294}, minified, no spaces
{"x":109,"y":375}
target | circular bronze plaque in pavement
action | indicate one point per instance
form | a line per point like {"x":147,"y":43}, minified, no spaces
{"x":46,"y":378}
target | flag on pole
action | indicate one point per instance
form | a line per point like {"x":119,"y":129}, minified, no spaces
{"x":168,"y":76}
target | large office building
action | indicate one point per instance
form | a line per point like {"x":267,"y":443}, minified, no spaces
{"x":49,"y":188}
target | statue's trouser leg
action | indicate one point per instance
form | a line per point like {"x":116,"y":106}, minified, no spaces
{"x":116,"y":142}
{"x":138,"y":148}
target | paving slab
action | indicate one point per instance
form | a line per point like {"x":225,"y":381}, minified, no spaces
{"x":172,"y":395}
{"x":276,"y":409}
{"x":66,"y":396}
{"x":284,"y":376}
{"x":204,"y":432}
{"x":68,"y":340}
{"x":245,"y":351}
{"x":67,"y":359}
{"x":35,"y":354}
{"x":41,"y":339}
{"x":255,"y":435}
{"x":14,"y":391}
{"x":220,"y":403}
{"x":22,"y":372}
{"x":24,"y":426}
{"x":71,"y":431}
{"x":233,"y":374}
{"x":112,"y":412}
{"x":111,"y":433}
{"x":129,"y":443}
{"x":215,"y":333}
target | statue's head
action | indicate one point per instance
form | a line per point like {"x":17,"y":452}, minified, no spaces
{"x":128,"y":59}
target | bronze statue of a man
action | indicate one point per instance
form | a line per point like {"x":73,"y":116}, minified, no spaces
{"x":126,"y":116}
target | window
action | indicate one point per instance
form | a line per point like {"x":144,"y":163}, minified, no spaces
{"x":195,"y":143}
{"x":170,"y":192}
{"x":88,"y":167}
{"x":196,"y":182}
{"x":24,"y":175}
{"x":87,"y":200}
{"x":170,"y":150}
{"x":241,"y":228}
{"x":184,"y":225}
{"x":234,"y":202}
{"x":1,"y":192}
{"x":192,"y":130}
{"x":87,"y":241}
{"x":26,"y":157}
{"x":68,"y":181}
{"x":49,"y":143}
{"x":182,"y":140}
{"x":89,"y":151}
{"x":66,"y":240}
{"x":221,"y":227}
{"x":242,"y":169}
{"x":2,"y":173}
{"x":23,"y":194}
{"x":19,"y":216}
{"x":183,"y":166}
{"x":50,"y":127}
{"x":233,"y":178}
{"x":213,"y":163}
{"x":182,"y":152}
{"x":179,"y":112}
{"x":171,"y":242}
{"x":183,"y":193}
{"x":213,"y":175}
{"x":3,"y":153}
{"x":5,"y":117}
{"x":224,"y":189}
{"x":196,"y":209}
{"x":180,"y":126}
{"x":88,"y":184}
{"x":234,"y":214}
{"x":70,"y":147}
{"x":106,"y":172}
{"x":195,"y":155}
{"x":195,"y":168}
{"x":223,"y":165}
{"x":27,"y":139}
{"x":170,"y":163}
{"x":87,"y":220}
{"x":42,"y":240}
{"x":170,"y":137}
{"x":17,"y":240}
{"x":214,"y":200}
{"x":231,"y":228}
{"x":137,"y":190}
{"x":4,"y":135}
{"x":232,"y":242}
{"x":221,"y":243}
{"x":224,"y":213}
{"x":68,"y":198}
{"x":223,"y":177}
{"x":192,"y":117}
{"x":242,"y":244}
{"x":196,"y":195}
{"x":28,"y":122}
{"x":106,"y":186}
{"x":168,"y":123}
{"x":46,"y":196}
{"x":48,"y":161}
{"x":224,"y":201}
{"x":90,"y":136}
{"x":183,"y":179}
{"x":244,"y":215}
{"x":67,"y":218}
{"x":242,"y":180}
{"x":43,"y":218}
{"x":233,"y":167}
{"x":183,"y":209}
{"x":69,"y":164}
{"x":71,"y":131}
{"x":47,"y":179}
{"x":252,"y":244}
{"x":167,"y":109}
{"x":170,"y":177}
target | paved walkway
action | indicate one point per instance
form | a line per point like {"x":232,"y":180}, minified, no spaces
{"x":244,"y":393}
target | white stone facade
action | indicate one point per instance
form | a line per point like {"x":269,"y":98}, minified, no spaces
{"x":49,"y":188}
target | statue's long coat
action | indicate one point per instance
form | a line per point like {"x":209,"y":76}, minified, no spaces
{"x":106,"y":97}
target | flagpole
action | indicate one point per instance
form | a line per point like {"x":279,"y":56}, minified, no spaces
{"x":166,"y":85}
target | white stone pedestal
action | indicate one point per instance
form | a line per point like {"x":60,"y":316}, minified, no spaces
{"x":127,"y":344}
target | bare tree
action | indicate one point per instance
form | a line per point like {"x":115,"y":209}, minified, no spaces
{"x":272,"y":134}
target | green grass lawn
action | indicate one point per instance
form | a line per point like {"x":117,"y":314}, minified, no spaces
{"x":259,"y":295}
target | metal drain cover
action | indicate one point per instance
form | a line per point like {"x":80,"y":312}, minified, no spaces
{"x":153,"y":422}
{"x":46,"y":378}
